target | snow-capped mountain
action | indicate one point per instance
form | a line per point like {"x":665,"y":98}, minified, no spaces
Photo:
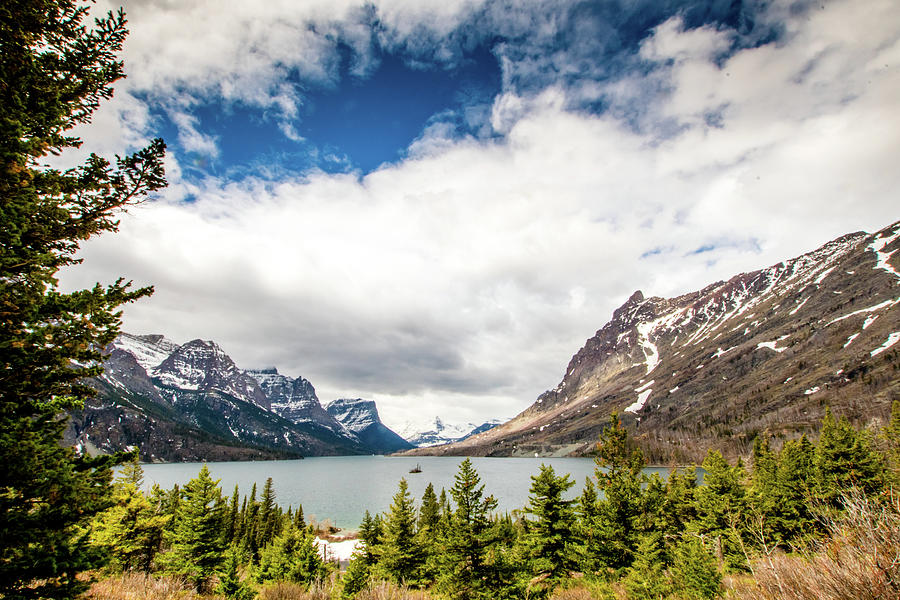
{"x":202,"y":366}
{"x":436,"y":431}
{"x":192,"y":402}
{"x":361,"y":417}
{"x":766,"y":350}
{"x":295,"y":400}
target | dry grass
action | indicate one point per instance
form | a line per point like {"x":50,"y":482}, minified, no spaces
{"x":139,"y":586}
{"x":326,"y":590}
{"x":860,"y":561}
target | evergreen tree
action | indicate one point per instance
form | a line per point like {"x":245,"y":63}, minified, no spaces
{"x":230,"y":584}
{"x":55,"y":70}
{"x":292,"y":556}
{"x":232,"y":522}
{"x":721,"y":504}
{"x":131,"y":530}
{"x":845,"y":458}
{"x":679,"y":506}
{"x":465,"y":569}
{"x":299,"y":523}
{"x":195,"y":542}
{"x":400,"y":557}
{"x":695,"y":572}
{"x":429,"y":533}
{"x":646,"y":579}
{"x":613,"y":531}
{"x":356,"y":577}
{"x":268,"y":518}
{"x":430,"y":511}
{"x":549,"y":538}
{"x":131,"y":473}
{"x":370,"y":532}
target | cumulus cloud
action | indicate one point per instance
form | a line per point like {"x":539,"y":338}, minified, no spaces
{"x":460,"y":280}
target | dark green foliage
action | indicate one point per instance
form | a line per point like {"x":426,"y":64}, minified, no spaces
{"x":196,"y":543}
{"x":356,"y":577}
{"x":549,"y":538}
{"x":430,"y":511}
{"x":230,"y":584}
{"x":370,"y":532}
{"x":268,"y":523}
{"x":465,"y":570}
{"x":679,"y":505}
{"x":646,"y":579}
{"x":721,"y":506}
{"x":781,"y":494}
{"x":845,"y":458}
{"x":400,"y":557}
{"x":612,"y":532}
{"x":694,"y":570}
{"x":54,"y":72}
{"x":292,"y":556}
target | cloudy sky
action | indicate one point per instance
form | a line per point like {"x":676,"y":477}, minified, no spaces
{"x":434,"y":204}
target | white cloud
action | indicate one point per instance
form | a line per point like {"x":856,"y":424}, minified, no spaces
{"x":462,"y":279}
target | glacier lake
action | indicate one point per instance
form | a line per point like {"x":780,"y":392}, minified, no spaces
{"x":342,"y":488}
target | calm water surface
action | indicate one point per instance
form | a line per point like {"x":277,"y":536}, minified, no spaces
{"x":342,"y":488}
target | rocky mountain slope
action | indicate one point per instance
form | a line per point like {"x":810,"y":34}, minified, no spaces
{"x":361,"y":417}
{"x":191,"y":402}
{"x":763,"y":351}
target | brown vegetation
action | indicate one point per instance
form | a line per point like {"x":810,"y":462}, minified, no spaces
{"x":860,"y":561}
{"x":140,"y":586}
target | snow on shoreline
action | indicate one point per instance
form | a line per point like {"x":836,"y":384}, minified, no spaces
{"x":340,"y":551}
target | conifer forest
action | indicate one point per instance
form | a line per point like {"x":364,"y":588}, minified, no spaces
{"x":803,"y":518}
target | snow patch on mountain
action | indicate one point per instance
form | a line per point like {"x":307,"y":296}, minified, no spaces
{"x":148,"y":350}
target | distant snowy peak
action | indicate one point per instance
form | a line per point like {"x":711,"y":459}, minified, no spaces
{"x":436,"y":431}
{"x":361,"y":417}
{"x":355,"y":414}
{"x":148,"y":350}
{"x":203,"y":366}
{"x":295,"y":399}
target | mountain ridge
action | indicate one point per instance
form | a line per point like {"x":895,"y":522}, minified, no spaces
{"x":192,"y":402}
{"x":764,"y":350}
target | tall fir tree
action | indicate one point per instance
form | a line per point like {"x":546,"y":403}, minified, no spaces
{"x":721,"y":506}
{"x":55,"y":70}
{"x":196,"y":544}
{"x":400,"y":556}
{"x":549,"y":537}
{"x":845,"y":459}
{"x":465,"y":569}
{"x":613,"y":532}
{"x":646,"y":578}
{"x":694,"y":570}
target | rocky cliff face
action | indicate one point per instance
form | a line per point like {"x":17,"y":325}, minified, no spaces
{"x":201,"y":366}
{"x":192,"y":402}
{"x":296,"y":400}
{"x":766,"y":350}
{"x":361,"y":417}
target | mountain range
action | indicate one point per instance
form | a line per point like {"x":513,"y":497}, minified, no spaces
{"x":764,"y":352}
{"x":192,"y":402}
{"x":437,"y":432}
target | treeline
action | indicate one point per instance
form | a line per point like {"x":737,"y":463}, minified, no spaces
{"x":627,"y":532}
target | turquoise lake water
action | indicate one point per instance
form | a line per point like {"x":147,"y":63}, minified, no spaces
{"x":342,"y":488}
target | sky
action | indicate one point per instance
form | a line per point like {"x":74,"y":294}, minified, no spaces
{"x":434,"y":204}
